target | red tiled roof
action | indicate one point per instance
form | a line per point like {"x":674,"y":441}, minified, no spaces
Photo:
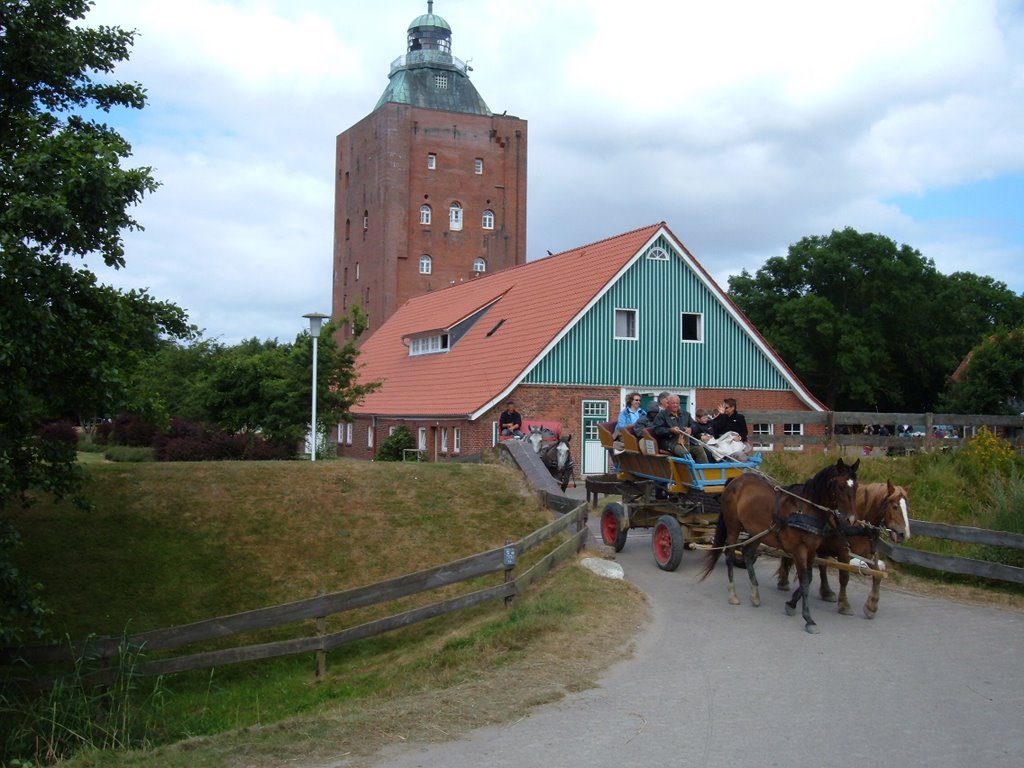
{"x":534,"y":303}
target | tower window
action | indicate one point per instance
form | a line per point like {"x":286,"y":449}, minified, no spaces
{"x":478,"y":165}
{"x":455,"y":217}
{"x":488,"y":220}
{"x":366,"y":220}
{"x":479,"y":264}
{"x":431,"y":161}
{"x":426,"y":265}
{"x":357,"y":271}
{"x":424,"y":214}
{"x":441,"y":80}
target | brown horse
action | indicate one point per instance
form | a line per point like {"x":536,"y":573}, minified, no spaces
{"x":796,"y":518}
{"x":880,"y":508}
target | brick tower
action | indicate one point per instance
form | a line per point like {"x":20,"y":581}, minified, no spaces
{"x":430,"y":187}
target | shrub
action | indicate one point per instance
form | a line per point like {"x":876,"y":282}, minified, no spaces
{"x":191,"y":441}
{"x":985,"y":455}
{"x":132,"y":429}
{"x":127,"y":453}
{"x":391,"y":449}
{"x":58,"y":441}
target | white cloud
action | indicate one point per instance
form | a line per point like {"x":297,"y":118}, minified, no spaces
{"x":744,"y":125}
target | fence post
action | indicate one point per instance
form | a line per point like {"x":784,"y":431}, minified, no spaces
{"x":581,"y":523}
{"x":509,"y":559}
{"x":321,"y":654}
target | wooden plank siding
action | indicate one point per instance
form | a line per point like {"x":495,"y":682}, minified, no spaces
{"x":727,"y":357}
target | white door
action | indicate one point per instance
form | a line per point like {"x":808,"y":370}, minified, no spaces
{"x":595,"y":458}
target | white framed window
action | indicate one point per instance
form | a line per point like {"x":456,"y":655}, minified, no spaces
{"x":793,"y":429}
{"x":341,"y":434}
{"x":455,"y":217}
{"x":421,"y":441}
{"x":626,"y":324}
{"x":424,"y":214}
{"x":444,"y":439}
{"x":478,"y":165}
{"x":428,"y":345}
{"x":691,"y":326}
{"x":456,"y":440}
{"x":431,"y":161}
{"x":391,"y":431}
{"x":366,"y":220}
{"x":357,"y":271}
{"x":488,"y":220}
{"x":479,"y":264}
{"x":426,"y":265}
{"x":441,"y":80}
{"x":369,"y":437}
{"x":657,"y":254}
{"x":761,"y":437}
{"x":348,"y":433}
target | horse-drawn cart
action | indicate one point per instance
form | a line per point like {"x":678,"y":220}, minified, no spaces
{"x":677,"y":497}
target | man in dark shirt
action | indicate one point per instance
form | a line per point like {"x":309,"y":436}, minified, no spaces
{"x":671,"y":428}
{"x":511,"y":423}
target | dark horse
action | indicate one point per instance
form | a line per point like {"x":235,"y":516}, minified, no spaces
{"x":558,"y":459}
{"x":795,"y":518}
{"x":881,"y":508}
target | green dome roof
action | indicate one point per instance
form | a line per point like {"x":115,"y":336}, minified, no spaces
{"x":429,"y":20}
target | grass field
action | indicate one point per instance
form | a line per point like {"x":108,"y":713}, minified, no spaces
{"x":168,"y":544}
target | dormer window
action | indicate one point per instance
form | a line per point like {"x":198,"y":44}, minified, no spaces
{"x":428,"y":345}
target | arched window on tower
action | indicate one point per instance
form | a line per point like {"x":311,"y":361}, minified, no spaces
{"x":426,"y":264}
{"x":488,"y":220}
{"x":424,"y":214}
{"x":455,"y":217}
{"x":479,"y":264}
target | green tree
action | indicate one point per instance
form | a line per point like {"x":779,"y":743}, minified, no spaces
{"x":992,"y":381}
{"x":255,"y":386}
{"x":67,"y":344}
{"x":866,"y":323}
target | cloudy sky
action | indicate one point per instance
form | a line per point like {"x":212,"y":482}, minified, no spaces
{"x":744,"y":125}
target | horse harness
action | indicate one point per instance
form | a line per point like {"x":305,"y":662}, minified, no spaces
{"x":803,"y":521}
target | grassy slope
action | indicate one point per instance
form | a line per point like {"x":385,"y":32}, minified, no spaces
{"x":172,"y":543}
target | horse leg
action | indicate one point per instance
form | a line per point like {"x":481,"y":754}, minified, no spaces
{"x":733,"y":598}
{"x":749,"y":558}
{"x":871,"y":605}
{"x":825,"y":590}
{"x":844,"y":603}
{"x":804,"y":566}
{"x":785,"y":563}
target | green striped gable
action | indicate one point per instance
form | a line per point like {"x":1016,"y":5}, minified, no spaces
{"x":660,"y":290}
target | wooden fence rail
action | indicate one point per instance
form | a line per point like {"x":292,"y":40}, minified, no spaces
{"x":322,"y":606}
{"x":832,"y":429}
{"x":964,"y":566}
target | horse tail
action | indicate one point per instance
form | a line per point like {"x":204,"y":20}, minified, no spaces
{"x":712,"y":555}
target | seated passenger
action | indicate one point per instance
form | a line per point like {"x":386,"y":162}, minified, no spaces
{"x":672,"y":431}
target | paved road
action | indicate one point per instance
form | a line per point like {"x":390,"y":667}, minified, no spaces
{"x":927,"y":683}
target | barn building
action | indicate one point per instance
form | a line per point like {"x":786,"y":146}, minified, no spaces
{"x":430,"y":187}
{"x":566,"y":337}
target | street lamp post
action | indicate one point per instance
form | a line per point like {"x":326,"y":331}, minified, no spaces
{"x":316,"y":319}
